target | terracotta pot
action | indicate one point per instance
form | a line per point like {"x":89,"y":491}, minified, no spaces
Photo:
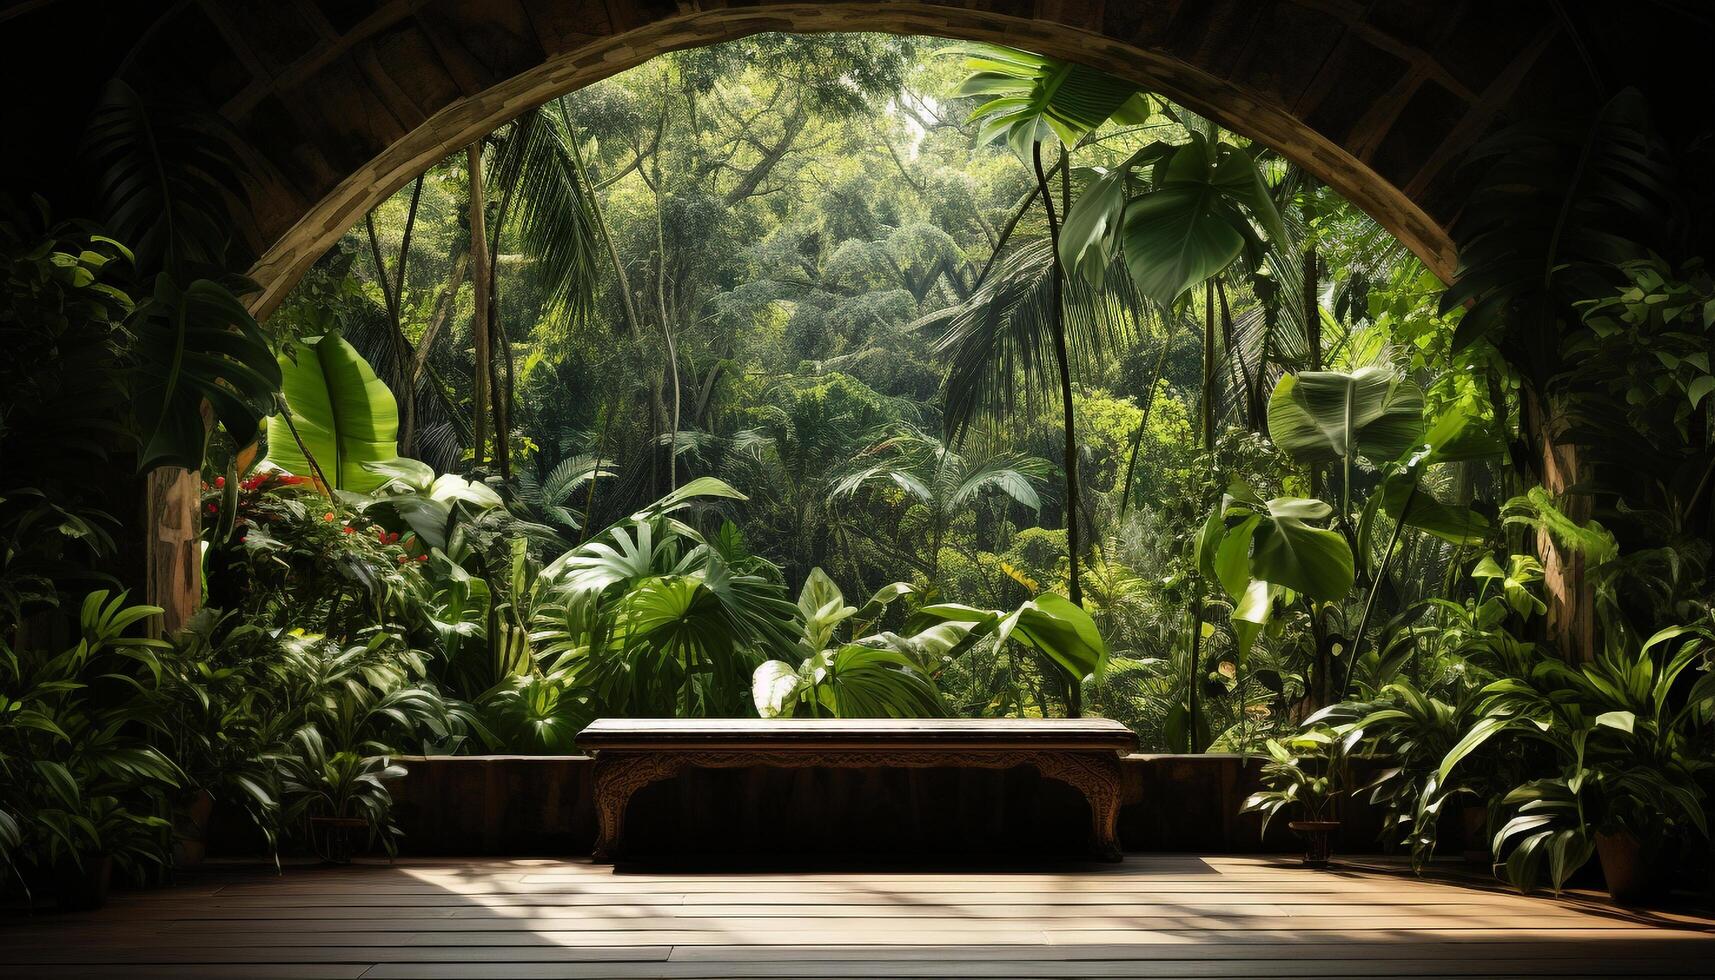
{"x":1622,"y":859}
{"x":1318,"y":840}
{"x":190,"y":829}
{"x":330,"y":837}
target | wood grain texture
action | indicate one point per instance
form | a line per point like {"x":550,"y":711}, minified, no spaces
{"x":811,"y":734}
{"x":1150,"y":916}
{"x":632,"y":753}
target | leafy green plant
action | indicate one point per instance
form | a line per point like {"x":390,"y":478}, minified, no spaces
{"x":1178,"y":214}
{"x":165,"y":177}
{"x":1032,"y":99}
{"x":651,"y":616}
{"x":1305,"y":774}
{"x":337,"y":416}
{"x":344,"y":784}
{"x":82,"y":780}
{"x":62,"y":406}
{"x":1628,"y":742}
{"x":881,"y":676}
{"x":1049,"y":625}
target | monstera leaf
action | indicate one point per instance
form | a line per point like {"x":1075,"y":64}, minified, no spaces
{"x":197,"y":344}
{"x":1192,"y":218}
{"x":1271,"y":541}
{"x":345,"y":415}
{"x":1033,"y":98}
{"x":1318,"y":416}
{"x":1196,"y":218}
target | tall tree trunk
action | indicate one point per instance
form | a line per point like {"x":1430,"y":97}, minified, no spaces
{"x":667,"y":333}
{"x":1074,"y":701}
{"x":479,"y":317}
{"x":404,"y":377}
{"x":1312,"y":324}
{"x":1208,"y":405}
{"x":502,"y":394}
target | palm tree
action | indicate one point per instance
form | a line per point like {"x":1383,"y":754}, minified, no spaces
{"x":942,"y":480}
{"x":549,"y":204}
{"x":1033,"y":99}
{"x":1036,"y":98}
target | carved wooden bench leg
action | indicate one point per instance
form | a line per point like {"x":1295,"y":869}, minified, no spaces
{"x":1097,"y":776}
{"x":618,"y":775}
{"x":609,"y":808}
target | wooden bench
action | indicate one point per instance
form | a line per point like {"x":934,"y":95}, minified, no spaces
{"x":631,"y":753}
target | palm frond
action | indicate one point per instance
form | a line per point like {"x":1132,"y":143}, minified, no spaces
{"x":554,"y":214}
{"x":1000,"y":343}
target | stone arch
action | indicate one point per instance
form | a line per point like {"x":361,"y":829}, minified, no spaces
{"x":337,"y":103}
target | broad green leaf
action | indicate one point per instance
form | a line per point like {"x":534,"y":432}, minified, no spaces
{"x":1238,"y":179}
{"x":1066,"y":633}
{"x":1622,"y":720}
{"x":193,"y":345}
{"x":774,"y":686}
{"x":407,"y":472}
{"x":1250,"y":615}
{"x":1178,"y":236}
{"x":345,"y":415}
{"x":1449,"y":522}
{"x":1232,"y":565}
{"x":1318,"y":416}
{"x":1302,"y":558}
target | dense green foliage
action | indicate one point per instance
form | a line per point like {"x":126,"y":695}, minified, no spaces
{"x":1104,"y":409}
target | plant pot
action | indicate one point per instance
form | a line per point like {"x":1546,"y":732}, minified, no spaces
{"x":190,"y":829}
{"x":330,"y":837}
{"x":1622,"y":859}
{"x":1474,"y":823}
{"x":1318,"y":840}
{"x":78,"y":889}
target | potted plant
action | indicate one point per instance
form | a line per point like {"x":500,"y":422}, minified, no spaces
{"x":86,"y":842}
{"x":1629,"y":755}
{"x":337,"y":794}
{"x":1305,"y":773}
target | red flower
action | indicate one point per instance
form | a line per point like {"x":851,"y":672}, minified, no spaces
{"x":212,"y":509}
{"x":348,"y":530}
{"x":328,"y":516}
{"x":220,"y":481}
{"x":422,"y":557}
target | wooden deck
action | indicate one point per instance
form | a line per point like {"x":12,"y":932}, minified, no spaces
{"x":1151,"y":916}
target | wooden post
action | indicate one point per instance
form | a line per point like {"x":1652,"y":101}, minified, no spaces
{"x":173,"y":559}
{"x":1570,"y":622}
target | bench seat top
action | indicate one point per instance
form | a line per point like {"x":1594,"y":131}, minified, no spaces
{"x":819,"y":734}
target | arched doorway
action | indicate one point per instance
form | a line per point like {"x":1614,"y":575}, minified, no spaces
{"x":337,"y":104}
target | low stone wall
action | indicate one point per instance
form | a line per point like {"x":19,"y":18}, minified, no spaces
{"x":541,"y":805}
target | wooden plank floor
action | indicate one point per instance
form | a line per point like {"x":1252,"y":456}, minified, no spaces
{"x":1150,"y":916}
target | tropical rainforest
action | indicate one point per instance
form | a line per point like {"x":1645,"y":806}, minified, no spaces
{"x":855,"y":375}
